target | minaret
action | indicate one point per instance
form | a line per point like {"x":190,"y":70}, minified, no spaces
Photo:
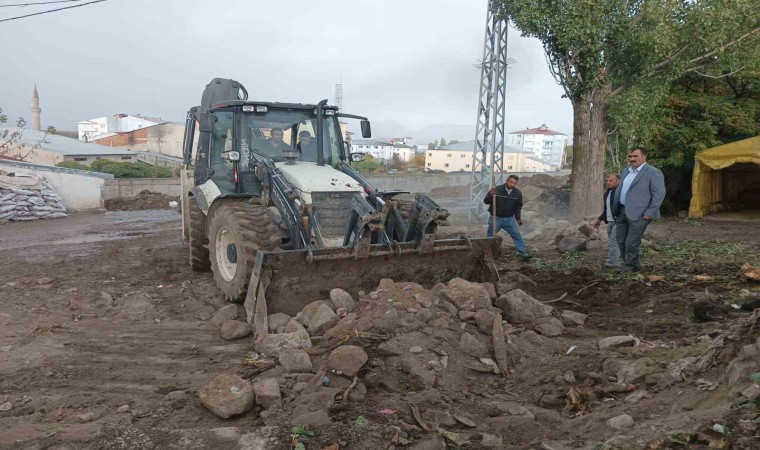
{"x":36,"y":110}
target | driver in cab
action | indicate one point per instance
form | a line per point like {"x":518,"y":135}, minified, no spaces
{"x":275,"y":145}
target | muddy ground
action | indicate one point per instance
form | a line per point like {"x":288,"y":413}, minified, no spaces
{"x":101,"y":318}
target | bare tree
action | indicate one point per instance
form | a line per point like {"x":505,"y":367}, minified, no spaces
{"x":11,"y":146}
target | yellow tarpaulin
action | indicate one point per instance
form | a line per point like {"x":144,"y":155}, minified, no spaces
{"x":707,"y":183}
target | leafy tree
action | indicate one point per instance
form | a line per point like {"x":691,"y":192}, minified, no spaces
{"x":418,"y":160}
{"x":600,"y":49}
{"x":10,"y":139}
{"x":442,"y":143}
{"x":453,"y":141}
{"x":396,"y":162}
{"x":431,"y":146}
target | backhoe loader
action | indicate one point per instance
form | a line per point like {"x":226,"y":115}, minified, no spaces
{"x":272,"y":206}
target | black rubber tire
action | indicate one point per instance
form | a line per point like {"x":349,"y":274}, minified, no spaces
{"x":199,"y":257}
{"x":252,"y":229}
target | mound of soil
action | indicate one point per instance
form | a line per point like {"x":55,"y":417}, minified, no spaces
{"x":143,"y":200}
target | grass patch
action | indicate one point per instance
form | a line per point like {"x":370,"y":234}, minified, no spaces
{"x":567,"y":261}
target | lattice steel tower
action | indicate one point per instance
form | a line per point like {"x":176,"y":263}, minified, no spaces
{"x":339,"y":96}
{"x":488,"y":154}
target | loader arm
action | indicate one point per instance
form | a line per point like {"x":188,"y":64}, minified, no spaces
{"x":284,"y":196}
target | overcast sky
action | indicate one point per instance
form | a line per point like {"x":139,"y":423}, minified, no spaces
{"x":412,"y":61}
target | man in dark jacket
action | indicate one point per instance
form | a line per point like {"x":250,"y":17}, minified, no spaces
{"x":509,"y":203}
{"x":613,"y":249}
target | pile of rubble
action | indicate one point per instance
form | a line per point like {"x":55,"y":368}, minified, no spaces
{"x":28,"y":197}
{"x":402,"y":345}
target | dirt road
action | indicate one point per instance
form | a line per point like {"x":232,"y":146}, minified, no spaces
{"x":98,"y":312}
{"x":105,"y":338}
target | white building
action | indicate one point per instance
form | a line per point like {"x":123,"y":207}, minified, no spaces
{"x":117,"y":123}
{"x":458,"y":158}
{"x":382,"y":149}
{"x":545,"y":144}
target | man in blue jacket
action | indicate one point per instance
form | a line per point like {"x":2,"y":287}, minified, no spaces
{"x":637,"y":202}
{"x":509,"y":204}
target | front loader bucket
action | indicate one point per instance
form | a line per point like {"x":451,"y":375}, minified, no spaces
{"x":286,"y":281}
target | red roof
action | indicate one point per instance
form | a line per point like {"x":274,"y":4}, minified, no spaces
{"x":540,"y":130}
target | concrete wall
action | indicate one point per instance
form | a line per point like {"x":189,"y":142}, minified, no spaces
{"x":131,"y":187}
{"x":426,"y":183}
{"x":79,"y":190}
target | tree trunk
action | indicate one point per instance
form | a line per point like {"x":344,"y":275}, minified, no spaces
{"x":589,"y":144}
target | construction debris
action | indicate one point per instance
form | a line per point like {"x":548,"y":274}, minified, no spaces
{"x":28,"y":197}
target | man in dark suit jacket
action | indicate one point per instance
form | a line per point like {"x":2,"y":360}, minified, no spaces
{"x":637,"y":202}
{"x":613,"y":250}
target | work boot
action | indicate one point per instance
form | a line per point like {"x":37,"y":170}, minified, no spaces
{"x":526,"y":256}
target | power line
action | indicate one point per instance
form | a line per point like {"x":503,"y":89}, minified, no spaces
{"x":50,"y":11}
{"x":39,"y":3}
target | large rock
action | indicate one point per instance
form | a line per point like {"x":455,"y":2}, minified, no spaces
{"x":466,"y":295}
{"x":549,"y":326}
{"x":342,"y":299}
{"x":535,"y":234}
{"x":621,"y":422}
{"x":469,"y":345}
{"x":322,"y":319}
{"x":514,"y":280}
{"x":227,"y":395}
{"x":484,"y":320}
{"x":531,"y":193}
{"x":573,"y":317}
{"x":570,"y":244}
{"x":519,"y":307}
{"x":271,"y":344}
{"x":616,"y":341}
{"x":295,"y":361}
{"x":231,"y":330}
{"x":268,"y":393}
{"x":595,"y":245}
{"x":277,"y":322}
{"x":636,"y":371}
{"x":420,"y":377}
{"x":309,"y":310}
{"x":347,"y":359}
{"x":229,"y":312}
{"x":586,"y":229}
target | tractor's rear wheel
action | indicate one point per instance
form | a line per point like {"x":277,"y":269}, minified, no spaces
{"x":199,"y":255}
{"x":237,"y":231}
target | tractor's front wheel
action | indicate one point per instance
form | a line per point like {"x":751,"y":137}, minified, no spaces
{"x":237,"y":231}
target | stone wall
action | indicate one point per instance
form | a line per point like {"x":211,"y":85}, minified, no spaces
{"x":130,"y":187}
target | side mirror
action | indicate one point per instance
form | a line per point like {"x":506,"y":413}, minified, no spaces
{"x":357,"y":157}
{"x":366,"y":129}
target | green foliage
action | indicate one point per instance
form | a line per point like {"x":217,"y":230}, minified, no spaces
{"x":431,"y":146}
{"x":130,"y":169}
{"x":755,"y":377}
{"x":121,"y":169}
{"x":453,"y":141}
{"x":442,"y":142}
{"x":366,"y":166}
{"x":301,"y":431}
{"x":74,"y":165}
{"x":568,"y":261}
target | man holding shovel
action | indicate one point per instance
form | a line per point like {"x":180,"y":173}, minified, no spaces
{"x":505,"y":205}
